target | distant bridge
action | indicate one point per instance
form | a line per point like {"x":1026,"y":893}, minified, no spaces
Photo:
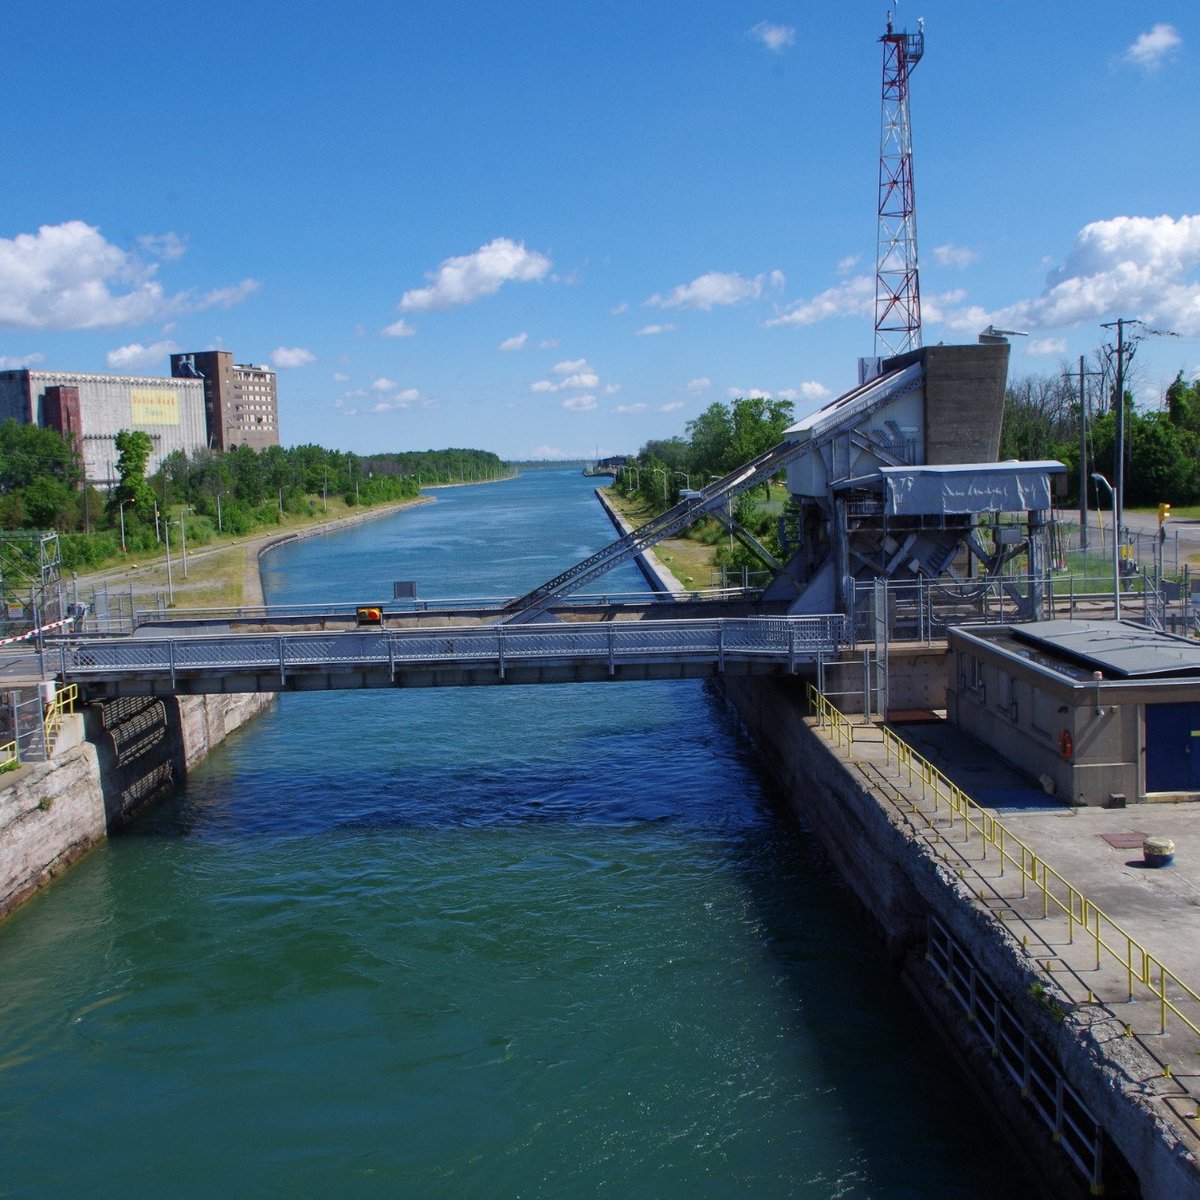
{"x":447,"y":656}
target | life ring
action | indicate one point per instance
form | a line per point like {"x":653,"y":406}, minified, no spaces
{"x":1065,"y":745}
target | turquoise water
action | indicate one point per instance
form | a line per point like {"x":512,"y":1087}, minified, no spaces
{"x":513,"y":942}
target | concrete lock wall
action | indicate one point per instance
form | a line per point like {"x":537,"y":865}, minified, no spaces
{"x":900,"y":882}
{"x":111,"y":759}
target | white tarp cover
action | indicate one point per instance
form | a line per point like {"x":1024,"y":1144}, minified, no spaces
{"x":969,"y":488}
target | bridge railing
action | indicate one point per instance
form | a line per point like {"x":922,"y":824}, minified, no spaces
{"x":403,"y":607}
{"x":788,"y":641}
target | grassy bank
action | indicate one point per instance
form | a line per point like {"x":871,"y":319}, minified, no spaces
{"x":223,"y":572}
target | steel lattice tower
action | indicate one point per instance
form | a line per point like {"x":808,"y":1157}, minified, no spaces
{"x":897,"y":291}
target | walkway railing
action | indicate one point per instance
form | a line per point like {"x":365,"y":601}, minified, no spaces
{"x":1142,"y":970}
{"x":771,"y":642}
{"x":57,"y":710}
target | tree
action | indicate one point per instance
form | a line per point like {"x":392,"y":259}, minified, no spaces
{"x":133,"y":454}
{"x":29,"y":453}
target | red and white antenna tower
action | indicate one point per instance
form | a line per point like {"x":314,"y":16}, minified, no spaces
{"x":897,"y":292}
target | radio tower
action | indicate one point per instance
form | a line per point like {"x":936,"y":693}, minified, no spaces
{"x":897,"y":292}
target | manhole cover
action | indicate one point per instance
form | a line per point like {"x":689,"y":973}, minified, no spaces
{"x":1124,"y":841}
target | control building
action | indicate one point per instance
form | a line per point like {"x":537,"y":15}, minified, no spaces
{"x":93,"y":409}
{"x":240,"y":402}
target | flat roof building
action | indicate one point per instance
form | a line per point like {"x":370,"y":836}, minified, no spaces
{"x":92,"y":409}
{"x":241,"y":406}
{"x":1107,"y":712}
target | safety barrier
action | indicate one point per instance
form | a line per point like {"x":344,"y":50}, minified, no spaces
{"x":1051,"y":1096}
{"x":766,"y":643}
{"x":62,"y":705}
{"x":833,"y":720}
{"x":1141,"y":968}
{"x":10,"y":757}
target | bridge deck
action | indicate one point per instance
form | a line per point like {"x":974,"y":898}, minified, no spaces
{"x":452,"y":656}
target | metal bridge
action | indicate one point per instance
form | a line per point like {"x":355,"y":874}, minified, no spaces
{"x":448,"y":656}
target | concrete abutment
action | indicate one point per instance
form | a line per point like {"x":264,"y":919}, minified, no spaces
{"x":111,"y":759}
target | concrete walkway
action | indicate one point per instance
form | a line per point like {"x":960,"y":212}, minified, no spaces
{"x":1151,"y":915}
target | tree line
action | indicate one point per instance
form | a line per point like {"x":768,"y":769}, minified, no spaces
{"x":233,"y":492}
{"x":1162,"y":446}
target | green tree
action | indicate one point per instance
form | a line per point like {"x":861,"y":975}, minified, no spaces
{"x":29,"y":452}
{"x":133,"y":454}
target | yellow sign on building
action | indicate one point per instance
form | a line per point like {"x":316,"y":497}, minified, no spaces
{"x":155,"y":406}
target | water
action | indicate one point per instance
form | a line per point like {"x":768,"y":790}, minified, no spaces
{"x":510,"y":942}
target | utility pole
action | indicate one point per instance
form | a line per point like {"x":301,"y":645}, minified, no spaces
{"x":1083,"y":471}
{"x":1119,"y":451}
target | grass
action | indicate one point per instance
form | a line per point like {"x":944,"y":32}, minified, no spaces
{"x":217,"y":570}
{"x":691,"y":560}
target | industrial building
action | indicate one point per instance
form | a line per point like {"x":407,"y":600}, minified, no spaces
{"x":1103,"y":712}
{"x":93,"y":409}
{"x":240,"y":402}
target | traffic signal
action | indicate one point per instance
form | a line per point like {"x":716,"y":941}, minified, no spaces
{"x":1164,"y":511}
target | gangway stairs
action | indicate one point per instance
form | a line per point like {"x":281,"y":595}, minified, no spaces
{"x":687,"y":512}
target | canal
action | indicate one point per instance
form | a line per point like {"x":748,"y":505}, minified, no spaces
{"x":498,"y":942}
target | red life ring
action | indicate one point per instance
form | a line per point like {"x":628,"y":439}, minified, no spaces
{"x":1065,"y":745}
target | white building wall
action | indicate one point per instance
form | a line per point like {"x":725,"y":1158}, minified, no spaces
{"x":171,"y":411}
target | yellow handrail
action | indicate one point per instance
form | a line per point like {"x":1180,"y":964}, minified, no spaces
{"x":62,"y":704}
{"x":1140,"y":966}
{"x":841,"y":732}
{"x":10,"y":756}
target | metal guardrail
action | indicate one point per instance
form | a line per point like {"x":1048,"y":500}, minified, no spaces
{"x":61,"y":706}
{"x":1050,"y":1095}
{"x":785,"y":641}
{"x":10,"y":757}
{"x":1143,"y":970}
{"x":404,"y":607}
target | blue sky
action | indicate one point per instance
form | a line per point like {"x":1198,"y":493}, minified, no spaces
{"x":551,"y":229}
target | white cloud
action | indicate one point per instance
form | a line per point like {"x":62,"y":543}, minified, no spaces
{"x":136,"y":357}
{"x":1142,"y":265}
{"x":808,"y":392}
{"x":469,"y":277}
{"x":949,"y":255}
{"x":227,"y":297}
{"x":618,"y":309}
{"x":69,"y":276}
{"x":630,"y":408}
{"x":570,"y":366}
{"x":736,"y":393}
{"x":651,"y":330}
{"x":548,"y":344}
{"x":671,"y":406}
{"x":167,"y":246}
{"x":583,"y":380}
{"x":14,"y":362}
{"x":400,"y":328}
{"x":774,"y":37}
{"x":399,"y":401}
{"x":701,"y":384}
{"x":516,"y":342}
{"x":383,"y":384}
{"x":1043,"y":346}
{"x":611,"y":389}
{"x":579,"y":375}
{"x":1151,"y":49}
{"x":716,"y":288}
{"x":854,"y":298}
{"x":847,"y":264}
{"x":283,"y":358}
{"x":340,"y":377}
{"x":579,"y":403}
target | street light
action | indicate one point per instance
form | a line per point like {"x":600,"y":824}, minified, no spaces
{"x":1098,"y":478}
